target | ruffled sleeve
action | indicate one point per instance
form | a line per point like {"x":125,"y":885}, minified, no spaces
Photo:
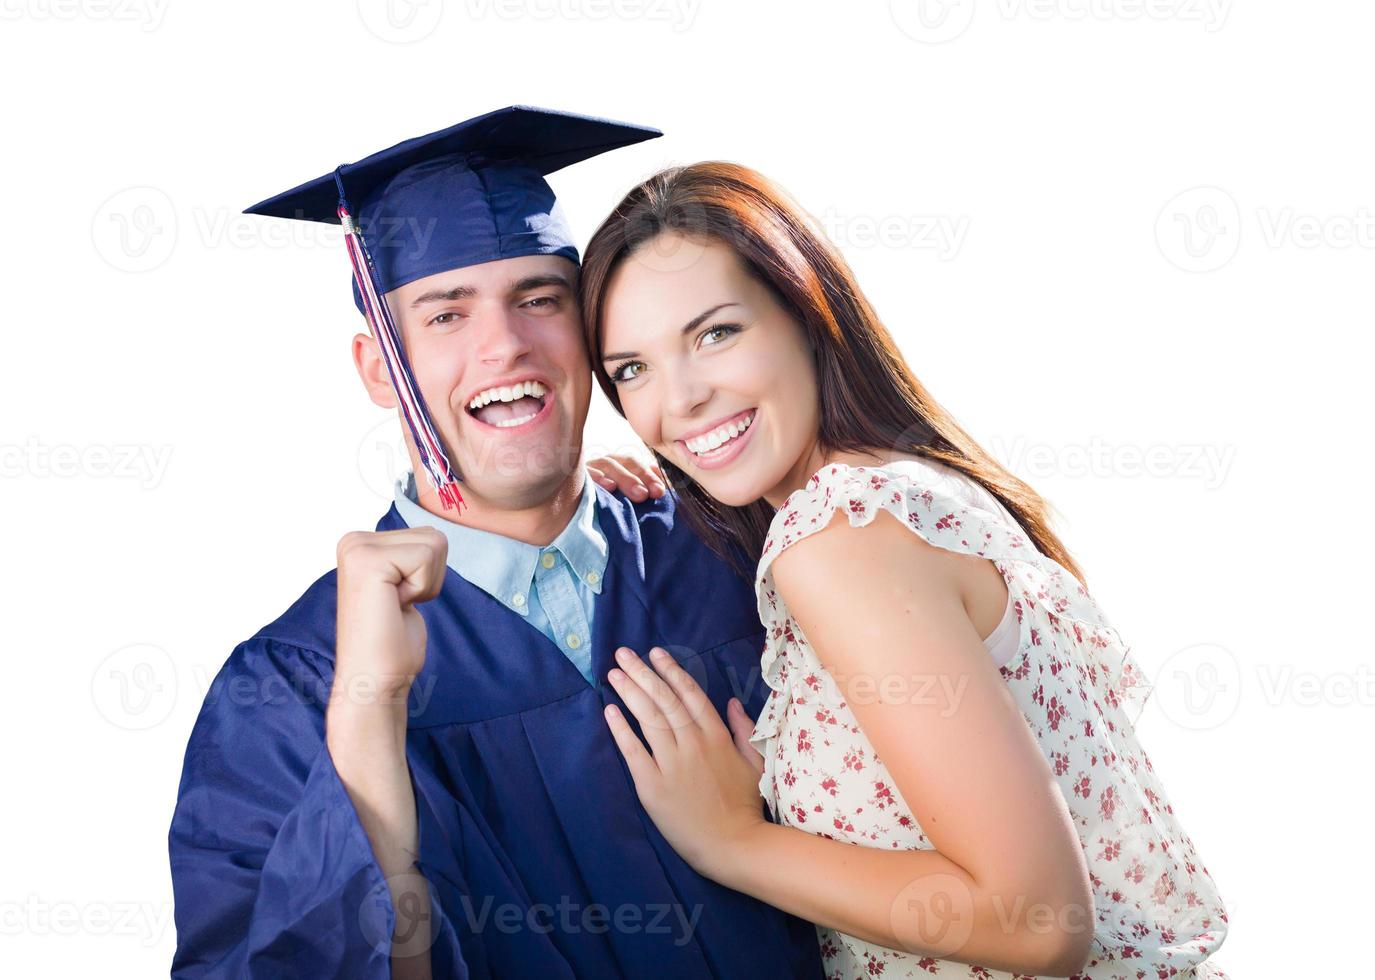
{"x":959,"y":526}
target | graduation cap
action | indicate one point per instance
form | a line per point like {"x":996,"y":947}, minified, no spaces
{"x":465,"y":195}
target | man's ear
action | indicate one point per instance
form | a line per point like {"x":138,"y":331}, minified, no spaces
{"x":371,"y":368}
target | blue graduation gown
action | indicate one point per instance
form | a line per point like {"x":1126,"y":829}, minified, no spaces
{"x":540,"y":859}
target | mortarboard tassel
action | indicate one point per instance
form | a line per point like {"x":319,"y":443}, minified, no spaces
{"x":432,"y":456}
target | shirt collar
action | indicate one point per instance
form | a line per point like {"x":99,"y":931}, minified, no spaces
{"x":503,"y":567}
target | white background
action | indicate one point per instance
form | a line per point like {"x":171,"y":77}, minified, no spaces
{"x":1128,"y":243}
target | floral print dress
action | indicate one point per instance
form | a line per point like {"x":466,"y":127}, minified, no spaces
{"x":1158,"y":912}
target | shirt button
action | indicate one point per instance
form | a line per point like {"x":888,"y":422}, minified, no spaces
{"x":593,"y":578}
{"x":573,"y":641}
{"x":547,"y":559}
{"x":517,"y":599}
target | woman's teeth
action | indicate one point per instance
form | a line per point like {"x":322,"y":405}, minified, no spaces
{"x":717,"y":438}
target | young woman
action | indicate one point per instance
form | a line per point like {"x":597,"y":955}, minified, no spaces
{"x":948,"y":752}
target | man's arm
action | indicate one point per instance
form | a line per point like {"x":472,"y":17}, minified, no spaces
{"x":369,"y":753}
{"x":267,"y":853}
{"x":380,"y":648}
{"x":292,"y":849}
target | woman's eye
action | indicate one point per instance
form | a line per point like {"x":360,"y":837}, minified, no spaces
{"x":620,"y":374}
{"x":723,"y":329}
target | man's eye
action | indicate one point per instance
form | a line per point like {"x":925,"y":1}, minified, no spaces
{"x":620,"y":374}
{"x":540,"y":301}
{"x":444,"y":318}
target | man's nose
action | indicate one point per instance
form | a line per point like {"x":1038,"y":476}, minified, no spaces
{"x":501,"y":338}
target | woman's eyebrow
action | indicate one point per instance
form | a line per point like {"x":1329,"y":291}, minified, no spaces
{"x":687,"y":328}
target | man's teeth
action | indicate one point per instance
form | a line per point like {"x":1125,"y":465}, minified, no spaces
{"x":520,"y":421}
{"x":717,"y":438}
{"x":507,"y":394}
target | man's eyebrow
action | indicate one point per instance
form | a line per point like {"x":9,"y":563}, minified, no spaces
{"x":469,"y":292}
{"x":444,"y":295}
{"x":541,"y":281}
{"x":688,"y":327}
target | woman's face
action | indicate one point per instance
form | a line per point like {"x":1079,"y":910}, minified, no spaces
{"x":712,"y":372}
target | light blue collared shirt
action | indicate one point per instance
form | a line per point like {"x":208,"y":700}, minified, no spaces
{"x":553,"y":587}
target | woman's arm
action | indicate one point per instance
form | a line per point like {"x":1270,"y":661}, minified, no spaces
{"x":885,"y":612}
{"x":1006,"y":885}
{"x":915,"y":900}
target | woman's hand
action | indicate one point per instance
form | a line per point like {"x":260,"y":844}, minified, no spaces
{"x":628,"y":474}
{"x":700,"y":787}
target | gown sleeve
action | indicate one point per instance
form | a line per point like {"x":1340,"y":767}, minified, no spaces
{"x":272,"y":872}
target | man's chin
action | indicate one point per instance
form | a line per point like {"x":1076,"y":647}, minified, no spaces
{"x":527,"y":480}
{"x":522,"y":495}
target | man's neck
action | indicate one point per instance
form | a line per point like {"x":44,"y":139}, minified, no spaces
{"x":537,"y":524}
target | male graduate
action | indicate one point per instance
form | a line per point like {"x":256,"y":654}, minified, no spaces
{"x":408,"y":772}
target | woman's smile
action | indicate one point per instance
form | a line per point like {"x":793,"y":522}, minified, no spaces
{"x":719,"y":445}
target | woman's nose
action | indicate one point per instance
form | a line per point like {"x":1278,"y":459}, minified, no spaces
{"x":686,"y":392}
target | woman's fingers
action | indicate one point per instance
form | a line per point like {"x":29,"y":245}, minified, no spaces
{"x":642,"y":766}
{"x":595,"y":471}
{"x":672,"y":708}
{"x":661,"y":715}
{"x":648,"y":473}
{"x":629,"y":475}
{"x":663,"y":694}
{"x":601,"y":471}
{"x":621,"y":478}
{"x":694,"y":700}
{"x":741,"y":728}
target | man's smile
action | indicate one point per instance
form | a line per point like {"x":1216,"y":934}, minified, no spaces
{"x":516,"y":404}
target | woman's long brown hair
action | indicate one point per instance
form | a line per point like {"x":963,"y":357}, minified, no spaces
{"x":868,"y":397}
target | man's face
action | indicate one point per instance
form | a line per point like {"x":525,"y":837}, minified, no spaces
{"x":498,"y":354}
